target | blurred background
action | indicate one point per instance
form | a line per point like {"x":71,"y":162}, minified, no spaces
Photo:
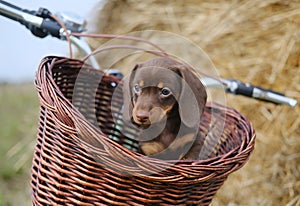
{"x":21,"y":53}
{"x":250,"y":40}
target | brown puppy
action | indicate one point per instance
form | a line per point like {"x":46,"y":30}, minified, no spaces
{"x":165,"y":100}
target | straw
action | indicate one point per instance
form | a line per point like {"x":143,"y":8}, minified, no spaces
{"x":254,"y":41}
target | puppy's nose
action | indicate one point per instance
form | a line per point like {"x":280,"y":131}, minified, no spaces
{"x":142,"y":116}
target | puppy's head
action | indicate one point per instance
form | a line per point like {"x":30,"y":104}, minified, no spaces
{"x":157,"y":87}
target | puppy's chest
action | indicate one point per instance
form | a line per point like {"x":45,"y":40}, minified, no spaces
{"x":158,"y":144}
{"x":161,"y":142}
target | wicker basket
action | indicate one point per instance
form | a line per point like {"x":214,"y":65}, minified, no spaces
{"x":85,"y":156}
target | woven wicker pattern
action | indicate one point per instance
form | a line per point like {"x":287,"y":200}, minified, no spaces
{"x":85,"y":155}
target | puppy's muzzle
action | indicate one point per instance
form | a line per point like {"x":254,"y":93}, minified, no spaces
{"x":143,"y":117}
{"x":146,"y":118}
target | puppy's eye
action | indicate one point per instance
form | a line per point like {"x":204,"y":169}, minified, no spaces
{"x":165,"y":92}
{"x":137,"y":88}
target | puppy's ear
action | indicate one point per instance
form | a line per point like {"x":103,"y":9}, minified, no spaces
{"x":192,"y":99}
{"x":128,"y":95}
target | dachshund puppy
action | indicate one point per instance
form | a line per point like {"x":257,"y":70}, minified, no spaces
{"x":165,"y":100}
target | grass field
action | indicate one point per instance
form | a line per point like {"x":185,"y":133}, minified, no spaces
{"x":18,"y":120}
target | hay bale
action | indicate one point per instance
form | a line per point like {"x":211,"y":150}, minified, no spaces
{"x":251,"y":40}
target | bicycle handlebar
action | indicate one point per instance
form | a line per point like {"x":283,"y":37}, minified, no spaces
{"x":239,"y":88}
{"x":267,"y":95}
{"x":41,"y":24}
